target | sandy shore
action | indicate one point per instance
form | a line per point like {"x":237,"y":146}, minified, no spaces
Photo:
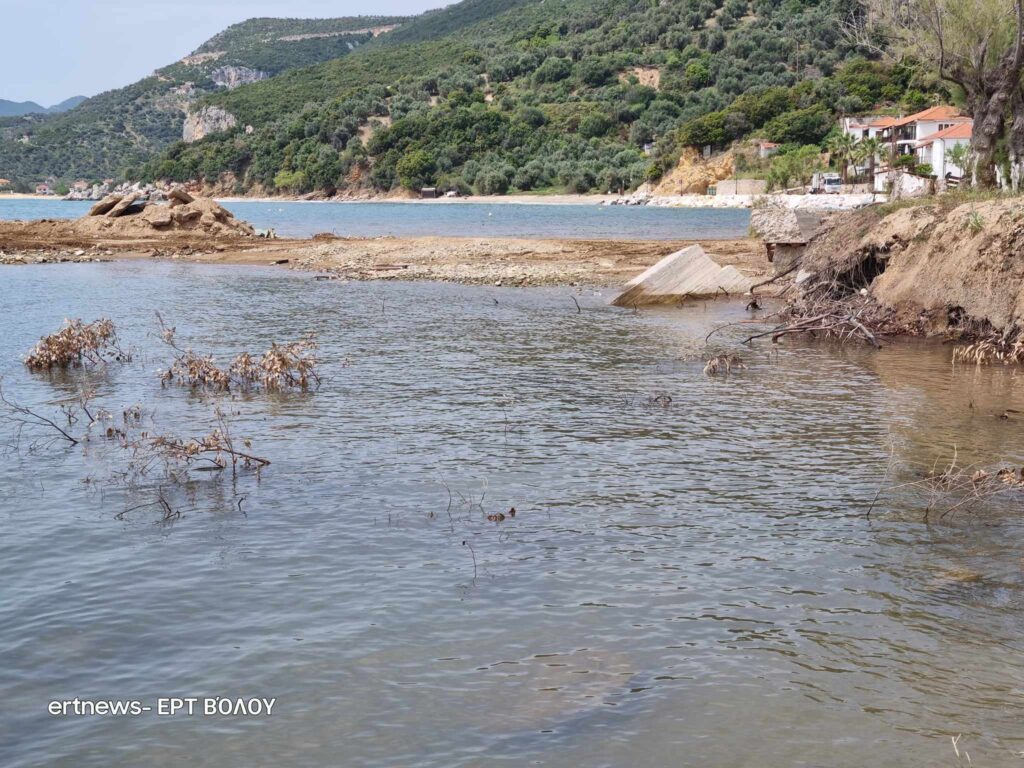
{"x":474,"y":260}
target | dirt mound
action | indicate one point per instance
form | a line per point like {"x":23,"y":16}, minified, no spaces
{"x":126,"y":216}
{"x":930,"y":269}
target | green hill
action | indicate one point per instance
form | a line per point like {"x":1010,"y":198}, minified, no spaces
{"x":105,"y":134}
{"x":493,"y":95}
{"x":19,"y":108}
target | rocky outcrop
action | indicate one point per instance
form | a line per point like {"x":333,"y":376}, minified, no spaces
{"x":231,"y":77}
{"x":132,"y":215}
{"x":694,"y":174}
{"x":205,"y":122}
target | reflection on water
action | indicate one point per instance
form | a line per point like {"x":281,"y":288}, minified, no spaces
{"x":690,"y":584}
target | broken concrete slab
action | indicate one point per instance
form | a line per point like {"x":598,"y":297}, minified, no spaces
{"x":104,"y":206}
{"x":686,"y":273}
{"x":122,"y":208}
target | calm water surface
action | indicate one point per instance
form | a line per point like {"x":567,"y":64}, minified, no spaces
{"x":592,"y":222}
{"x":694,"y":584}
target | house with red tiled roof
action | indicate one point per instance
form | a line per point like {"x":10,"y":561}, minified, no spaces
{"x":934,"y":149}
{"x":905,"y":133}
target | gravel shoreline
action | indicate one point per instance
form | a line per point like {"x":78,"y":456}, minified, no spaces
{"x":470,"y":260}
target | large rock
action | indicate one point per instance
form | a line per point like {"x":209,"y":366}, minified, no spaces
{"x":783,"y":225}
{"x":231,"y":77}
{"x":205,"y":122}
{"x":104,"y":206}
{"x":180,"y":196}
{"x":123,"y":206}
{"x":132,"y":215}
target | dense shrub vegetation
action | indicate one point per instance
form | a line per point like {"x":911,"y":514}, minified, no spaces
{"x":579,"y":95}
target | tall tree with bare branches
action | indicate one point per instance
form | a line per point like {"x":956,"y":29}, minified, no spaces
{"x":975,"y":44}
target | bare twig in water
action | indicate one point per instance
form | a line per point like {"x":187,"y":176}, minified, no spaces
{"x":996,"y":348}
{"x":960,"y":488}
{"x":23,"y":417}
{"x":471,"y":552}
{"x":771,"y":280}
{"x":888,"y":467}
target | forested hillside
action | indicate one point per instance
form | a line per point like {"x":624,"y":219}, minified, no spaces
{"x":104,"y":135}
{"x":577,"y":95}
{"x":494,"y":95}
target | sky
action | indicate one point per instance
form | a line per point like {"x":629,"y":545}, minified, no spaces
{"x":55,"y":49}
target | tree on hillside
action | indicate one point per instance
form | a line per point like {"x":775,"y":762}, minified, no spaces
{"x":975,"y":44}
{"x":958,"y":155}
{"x":798,"y":165}
{"x":842,"y":148}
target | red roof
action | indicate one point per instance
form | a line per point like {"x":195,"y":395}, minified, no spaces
{"x":959,"y":131}
{"x":943,"y":112}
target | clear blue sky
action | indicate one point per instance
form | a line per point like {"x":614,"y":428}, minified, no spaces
{"x":53,"y":49}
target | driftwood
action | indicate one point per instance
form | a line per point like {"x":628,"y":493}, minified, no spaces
{"x":839,"y":325}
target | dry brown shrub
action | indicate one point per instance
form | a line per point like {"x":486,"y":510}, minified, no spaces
{"x":282,"y":367}
{"x":990,"y":350}
{"x":215,"y":451}
{"x":77,"y":344}
{"x":961,"y":489}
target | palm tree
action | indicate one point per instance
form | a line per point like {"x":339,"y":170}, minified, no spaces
{"x":867,"y":151}
{"x":841,"y":147}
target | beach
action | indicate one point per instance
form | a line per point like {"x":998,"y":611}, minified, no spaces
{"x":468,"y":260}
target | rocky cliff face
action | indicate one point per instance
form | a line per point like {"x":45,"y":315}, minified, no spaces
{"x":231,"y":77}
{"x":694,"y":174}
{"x":206,"y":121}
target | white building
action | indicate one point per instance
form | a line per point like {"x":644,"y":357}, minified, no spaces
{"x":869,"y":127}
{"x":905,"y":134}
{"x":865,"y":127}
{"x":932,"y":149}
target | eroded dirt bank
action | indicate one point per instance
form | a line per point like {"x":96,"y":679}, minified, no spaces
{"x":511,"y":261}
{"x":926,"y":269}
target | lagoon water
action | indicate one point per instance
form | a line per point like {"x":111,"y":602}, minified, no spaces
{"x":591,"y":222}
{"x":691,"y":582}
